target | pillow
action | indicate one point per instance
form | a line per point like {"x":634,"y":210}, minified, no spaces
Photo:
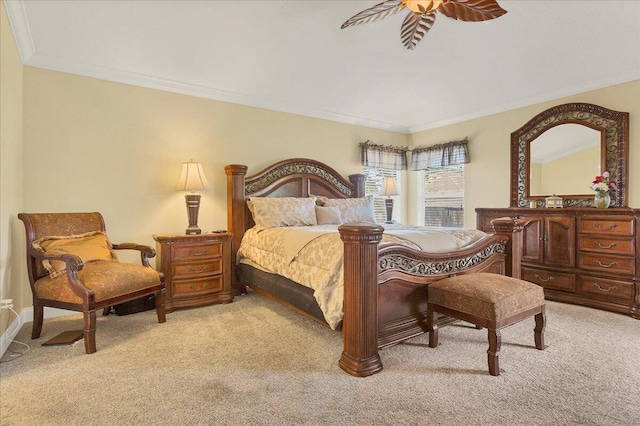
{"x":328,"y":215}
{"x":320,"y":199}
{"x":353,"y":209}
{"x":89,"y":247}
{"x":282,"y":211}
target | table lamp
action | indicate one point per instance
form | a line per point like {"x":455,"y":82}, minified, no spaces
{"x":389,"y":189}
{"x":192,"y":179}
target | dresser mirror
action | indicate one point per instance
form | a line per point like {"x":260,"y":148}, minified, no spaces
{"x":562,"y":149}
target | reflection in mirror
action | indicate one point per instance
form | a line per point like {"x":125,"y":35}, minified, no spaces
{"x":568,"y":150}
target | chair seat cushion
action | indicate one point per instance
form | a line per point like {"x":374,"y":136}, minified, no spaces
{"x":489,"y":296}
{"x":107,"y":279}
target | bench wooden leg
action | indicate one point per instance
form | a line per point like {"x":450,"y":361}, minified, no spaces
{"x":432,"y":326}
{"x":538,"y":332}
{"x":495,"y":340}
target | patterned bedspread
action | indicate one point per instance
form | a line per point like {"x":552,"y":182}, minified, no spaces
{"x":312,"y":255}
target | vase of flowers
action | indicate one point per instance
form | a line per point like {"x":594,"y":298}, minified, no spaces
{"x":603,"y":187}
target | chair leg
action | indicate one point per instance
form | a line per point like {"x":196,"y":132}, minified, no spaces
{"x":90,"y":332}
{"x":538,"y":332}
{"x":160,"y":307}
{"x":38,"y":317}
{"x":106,"y":311}
{"x":495,"y":340}
{"x":432,"y":327}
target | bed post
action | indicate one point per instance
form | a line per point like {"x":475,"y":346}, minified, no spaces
{"x":358,"y":180}
{"x":360,"y":324}
{"x":513,"y":228}
{"x":236,"y":216}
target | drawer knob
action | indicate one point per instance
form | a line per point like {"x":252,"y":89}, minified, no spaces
{"x":543,"y":279}
{"x":613,"y":287}
{"x":605,"y":266}
{"x":597,"y":243}
{"x":608,"y":228}
{"x":194,"y":253}
{"x":198,"y":288}
{"x":198,"y":271}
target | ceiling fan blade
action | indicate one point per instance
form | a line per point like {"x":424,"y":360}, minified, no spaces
{"x":472,"y":10}
{"x":414,"y":27}
{"x":375,"y":13}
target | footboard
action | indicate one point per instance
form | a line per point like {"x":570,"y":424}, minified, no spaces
{"x":385,"y":286}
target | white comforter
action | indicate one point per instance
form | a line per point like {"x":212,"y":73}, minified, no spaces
{"x":312,"y":255}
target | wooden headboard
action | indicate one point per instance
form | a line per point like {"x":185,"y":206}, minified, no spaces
{"x":297,"y":177}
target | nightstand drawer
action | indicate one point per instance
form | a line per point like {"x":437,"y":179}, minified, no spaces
{"x":197,"y":269}
{"x":613,"y":289}
{"x":607,"y":245}
{"x":197,"y":251}
{"x":608,"y":264}
{"x":610,"y":226}
{"x":187,"y":288}
{"x":555,"y":280}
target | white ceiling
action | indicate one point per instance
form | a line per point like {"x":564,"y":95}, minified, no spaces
{"x":292,"y":56}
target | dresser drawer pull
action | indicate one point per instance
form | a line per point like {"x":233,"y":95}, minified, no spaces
{"x":202,"y":287}
{"x":544,"y":280}
{"x":597,"y":225}
{"x":198,"y":271}
{"x":597,"y":243}
{"x":613,"y":287}
{"x":605,"y":266}
{"x":200,"y":253}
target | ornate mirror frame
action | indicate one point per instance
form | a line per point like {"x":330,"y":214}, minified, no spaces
{"x":612,"y":125}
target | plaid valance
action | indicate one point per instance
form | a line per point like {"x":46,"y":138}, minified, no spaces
{"x":383,"y":157}
{"x":441,"y":155}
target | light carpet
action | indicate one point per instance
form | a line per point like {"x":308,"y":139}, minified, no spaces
{"x":254,"y":362}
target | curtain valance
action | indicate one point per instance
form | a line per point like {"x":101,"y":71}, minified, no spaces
{"x":441,"y":155}
{"x":383,"y":157}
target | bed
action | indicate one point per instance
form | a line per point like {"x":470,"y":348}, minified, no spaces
{"x":385,"y":283}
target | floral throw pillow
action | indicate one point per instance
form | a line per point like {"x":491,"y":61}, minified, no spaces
{"x":282,"y":211}
{"x":353,"y":209}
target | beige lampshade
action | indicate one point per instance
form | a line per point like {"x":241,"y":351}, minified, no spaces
{"x":192,"y":178}
{"x":389,"y":187}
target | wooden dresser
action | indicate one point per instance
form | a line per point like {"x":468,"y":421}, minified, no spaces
{"x":585,"y":256}
{"x":197,"y":269}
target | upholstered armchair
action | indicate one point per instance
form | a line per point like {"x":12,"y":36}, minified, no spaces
{"x":73,"y":265}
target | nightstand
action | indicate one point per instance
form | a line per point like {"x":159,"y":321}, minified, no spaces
{"x":197,"y":269}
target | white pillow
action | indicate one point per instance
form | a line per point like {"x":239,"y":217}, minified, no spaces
{"x":328,"y":215}
{"x":282,"y":211}
{"x":353,"y":209}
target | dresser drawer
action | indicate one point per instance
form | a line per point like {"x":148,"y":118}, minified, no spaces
{"x":197,"y":269}
{"x":609,"y":226}
{"x":607,"y":245}
{"x":554,"y":280}
{"x":196,"y":287}
{"x":606,"y":263}
{"x":197,"y":251}
{"x":606,"y":288}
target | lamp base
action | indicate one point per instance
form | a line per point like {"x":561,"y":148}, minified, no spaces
{"x":388,"y":204}
{"x":193,"y":205}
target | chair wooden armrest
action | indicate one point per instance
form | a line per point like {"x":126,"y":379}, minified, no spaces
{"x":146,"y":252}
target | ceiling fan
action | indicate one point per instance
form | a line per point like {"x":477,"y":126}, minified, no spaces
{"x":422,"y":15}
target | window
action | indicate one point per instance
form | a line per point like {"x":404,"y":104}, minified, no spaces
{"x":373,"y":184}
{"x":442,"y":191}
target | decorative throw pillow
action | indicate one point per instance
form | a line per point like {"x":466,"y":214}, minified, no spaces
{"x":328,"y":215}
{"x":89,"y":247}
{"x":282,"y":211}
{"x":353,"y":209}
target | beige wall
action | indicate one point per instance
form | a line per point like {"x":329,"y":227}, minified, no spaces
{"x":12,"y":269}
{"x":487,"y":176}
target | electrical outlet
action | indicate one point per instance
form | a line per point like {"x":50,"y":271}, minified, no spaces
{"x":6,"y":304}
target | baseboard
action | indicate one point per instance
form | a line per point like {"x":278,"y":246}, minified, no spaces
{"x":25,"y":316}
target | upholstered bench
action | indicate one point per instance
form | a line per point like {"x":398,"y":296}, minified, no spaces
{"x":487,"y":300}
